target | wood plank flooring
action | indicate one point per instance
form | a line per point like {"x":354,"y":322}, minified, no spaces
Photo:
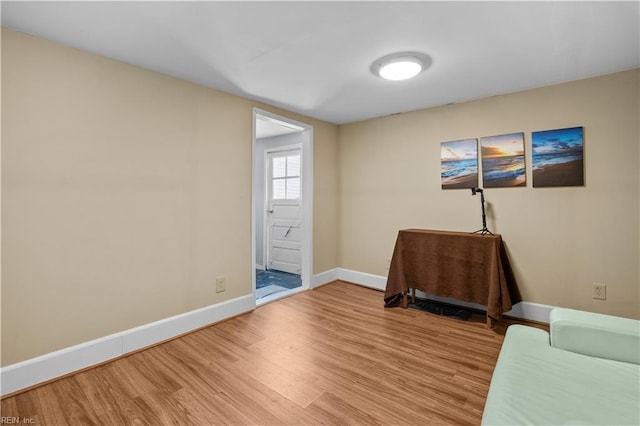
{"x":333,"y":355}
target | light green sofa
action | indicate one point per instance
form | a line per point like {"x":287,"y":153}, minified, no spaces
{"x":586,"y":371}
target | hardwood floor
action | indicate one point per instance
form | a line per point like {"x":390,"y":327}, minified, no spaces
{"x":333,"y":355}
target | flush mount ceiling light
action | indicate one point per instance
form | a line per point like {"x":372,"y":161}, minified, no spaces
{"x":401,"y":66}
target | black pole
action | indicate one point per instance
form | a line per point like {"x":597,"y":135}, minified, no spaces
{"x":484,"y":216}
{"x":484,"y":229}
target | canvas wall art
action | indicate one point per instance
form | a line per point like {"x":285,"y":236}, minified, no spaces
{"x":503,"y":162}
{"x":558,"y":157}
{"x":459,"y":164}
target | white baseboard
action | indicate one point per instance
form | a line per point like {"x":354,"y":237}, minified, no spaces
{"x":33,"y":371}
{"x":324,"y":278}
{"x":523,"y":310}
{"x":376,"y":282}
{"x":531,"y":311}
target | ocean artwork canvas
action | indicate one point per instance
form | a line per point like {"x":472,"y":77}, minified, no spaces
{"x":459,"y":164}
{"x":503,"y":163}
{"x":558,"y":157}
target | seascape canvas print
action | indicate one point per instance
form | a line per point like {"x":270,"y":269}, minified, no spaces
{"x":459,"y":164}
{"x":503,"y":162}
{"x":558,"y":157}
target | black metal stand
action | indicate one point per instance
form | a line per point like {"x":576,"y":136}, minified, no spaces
{"x":484,"y":230}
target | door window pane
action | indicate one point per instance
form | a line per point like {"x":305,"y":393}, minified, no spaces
{"x":293,"y":188}
{"x":279,"y":189}
{"x":279,"y":167}
{"x":293,"y":165}
{"x":286,"y":177}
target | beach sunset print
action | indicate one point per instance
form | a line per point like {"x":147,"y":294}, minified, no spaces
{"x":558,"y":157}
{"x":503,"y":161}
{"x":459,"y":164}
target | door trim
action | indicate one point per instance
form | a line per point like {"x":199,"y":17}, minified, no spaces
{"x":307,"y":197}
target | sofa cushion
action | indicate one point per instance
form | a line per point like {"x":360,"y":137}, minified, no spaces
{"x":597,"y":335}
{"x":535,"y":384}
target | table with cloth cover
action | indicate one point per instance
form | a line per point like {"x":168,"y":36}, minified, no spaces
{"x":467,"y":267}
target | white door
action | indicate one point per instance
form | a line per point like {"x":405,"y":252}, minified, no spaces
{"x":284,"y":211}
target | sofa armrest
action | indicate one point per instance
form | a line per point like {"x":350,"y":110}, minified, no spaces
{"x":597,"y":335}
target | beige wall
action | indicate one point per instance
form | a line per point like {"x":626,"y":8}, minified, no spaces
{"x":560,"y":240}
{"x":124,"y":194}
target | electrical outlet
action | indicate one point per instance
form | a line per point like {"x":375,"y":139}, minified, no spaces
{"x":220,"y":285}
{"x":599,"y":291}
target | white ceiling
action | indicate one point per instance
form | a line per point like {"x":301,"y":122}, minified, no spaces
{"x":314,"y":58}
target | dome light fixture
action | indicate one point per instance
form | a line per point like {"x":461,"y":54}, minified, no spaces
{"x":400,"y":66}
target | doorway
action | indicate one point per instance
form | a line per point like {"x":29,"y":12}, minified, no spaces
{"x":282,"y":207}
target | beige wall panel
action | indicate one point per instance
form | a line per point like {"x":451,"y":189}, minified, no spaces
{"x":325,"y":199}
{"x":124,"y":194}
{"x":560,"y":240}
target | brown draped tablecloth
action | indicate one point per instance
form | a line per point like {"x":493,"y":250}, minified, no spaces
{"x":468,"y":267}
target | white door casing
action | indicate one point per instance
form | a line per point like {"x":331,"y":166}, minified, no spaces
{"x":258,"y":193}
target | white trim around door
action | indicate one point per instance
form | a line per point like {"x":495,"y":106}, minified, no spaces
{"x":307,"y":194}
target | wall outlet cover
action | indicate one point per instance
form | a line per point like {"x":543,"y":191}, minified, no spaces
{"x":599,"y":291}
{"x":220,"y":285}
